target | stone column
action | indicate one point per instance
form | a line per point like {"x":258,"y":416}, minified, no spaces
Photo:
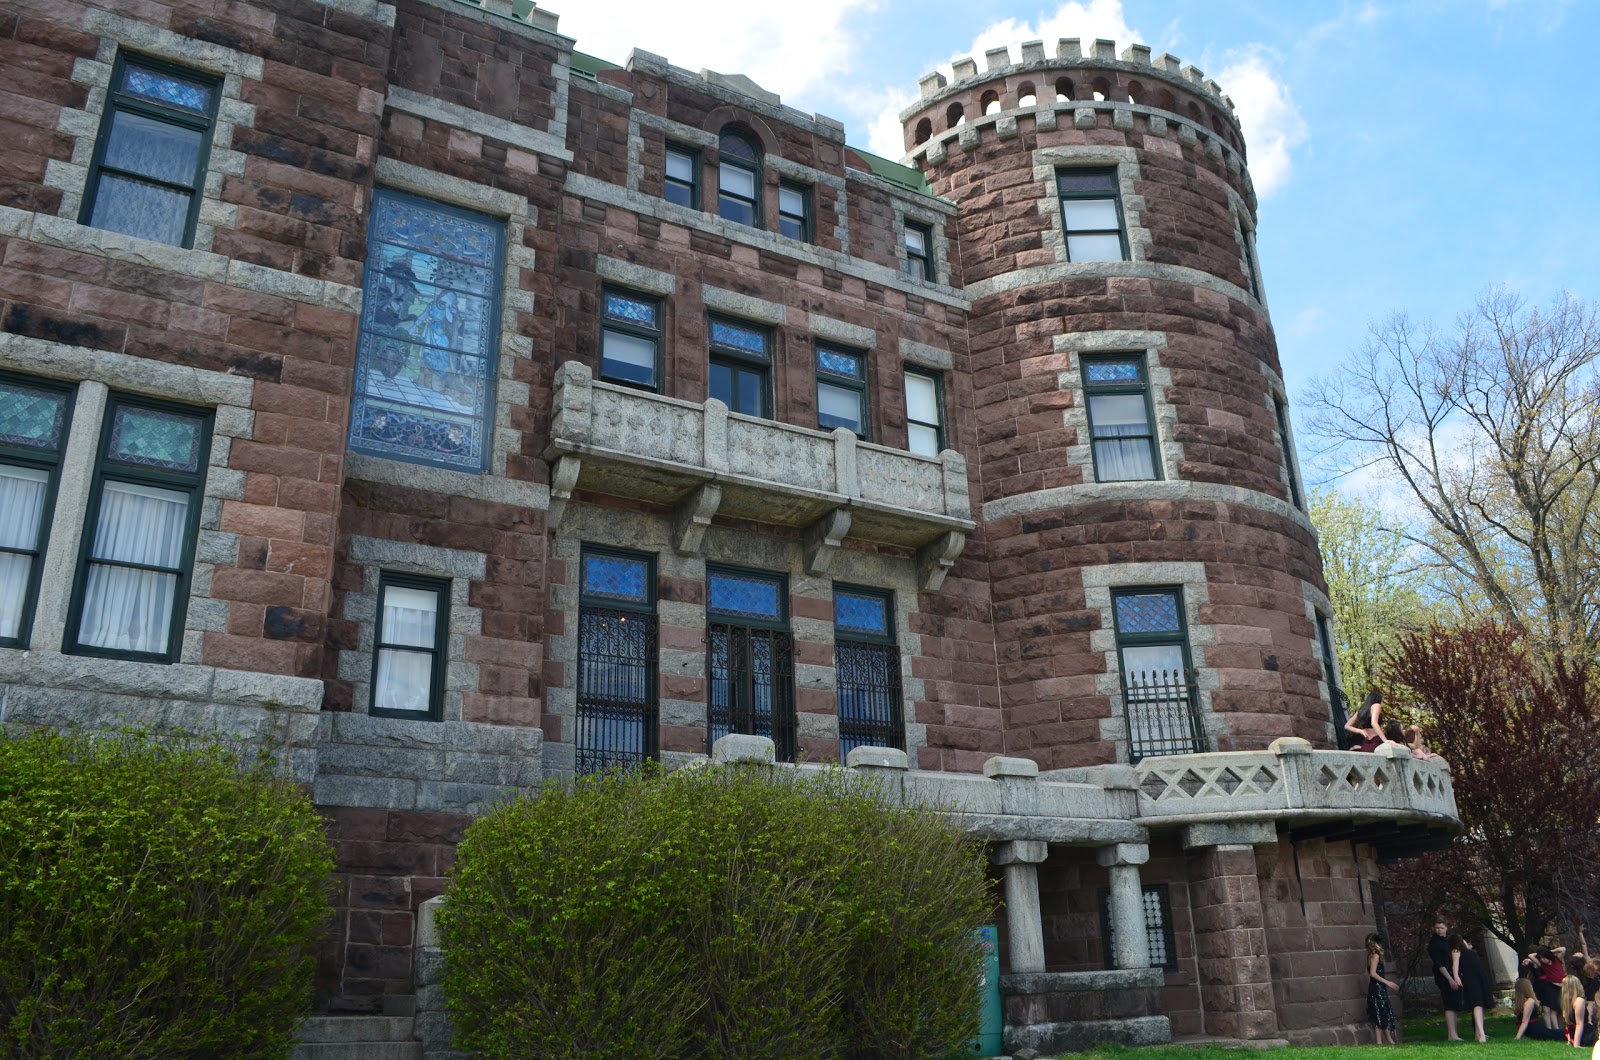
{"x":1230,"y":937}
{"x":1132,"y":939}
{"x":1024,"y":926}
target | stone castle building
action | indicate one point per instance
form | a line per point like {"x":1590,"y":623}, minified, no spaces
{"x":395,"y":386}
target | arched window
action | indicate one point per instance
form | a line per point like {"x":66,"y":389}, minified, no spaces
{"x":739,"y":178}
{"x":924,"y":131}
{"x":954,"y":116}
{"x":1026,"y":95}
{"x":991,"y":102}
{"x":1063,"y":89}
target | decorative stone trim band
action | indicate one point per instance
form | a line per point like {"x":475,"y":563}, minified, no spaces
{"x":1162,"y":490}
{"x":474,"y":121}
{"x":1006,"y":282}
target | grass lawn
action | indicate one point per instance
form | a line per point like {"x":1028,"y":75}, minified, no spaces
{"x":1422,"y":1039}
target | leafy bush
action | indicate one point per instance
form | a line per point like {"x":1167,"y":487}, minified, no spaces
{"x":720,"y":912}
{"x":156,"y":900}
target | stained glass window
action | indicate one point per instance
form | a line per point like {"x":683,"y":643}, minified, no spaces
{"x":1121,"y":427}
{"x":842,"y":391}
{"x":630,"y":340}
{"x":639,"y":311}
{"x":151,"y":438}
{"x":861,"y":612}
{"x":740,"y":368}
{"x":1111,"y":371}
{"x":745,"y":595}
{"x":150,"y":155}
{"x":616,"y":577}
{"x":735,"y":336}
{"x":1148,"y":613}
{"x":845,"y":364}
{"x":31,"y":416}
{"x":426,"y":359}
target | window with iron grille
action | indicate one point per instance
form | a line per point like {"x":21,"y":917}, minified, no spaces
{"x":408,"y":651}
{"x":1159,"y":694}
{"x":617,"y":708}
{"x":35,"y":415}
{"x":867,"y":664}
{"x":682,"y":182}
{"x":1091,"y":214}
{"x":1122,"y":432}
{"x":752,"y":657}
{"x":842,"y":391}
{"x":741,"y":367}
{"x":630,"y":339}
{"x":149,"y":162}
{"x":1157,"y":926}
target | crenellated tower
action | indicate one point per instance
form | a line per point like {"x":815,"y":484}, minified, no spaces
{"x":1157,"y":585}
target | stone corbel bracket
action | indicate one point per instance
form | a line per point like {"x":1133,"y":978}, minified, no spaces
{"x":691,"y":517}
{"x":935,"y":559}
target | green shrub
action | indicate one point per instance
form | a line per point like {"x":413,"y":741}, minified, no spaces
{"x":156,"y":900}
{"x":717,"y":912}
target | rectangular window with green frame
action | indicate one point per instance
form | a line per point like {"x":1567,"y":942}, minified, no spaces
{"x":1122,"y":434}
{"x":630,"y":339}
{"x":35,"y":416}
{"x":132,"y":587}
{"x":918,"y":262}
{"x":751,"y":661}
{"x":617,"y":708}
{"x":867,"y":667}
{"x":149,"y":164}
{"x":794,"y":211}
{"x":1091,"y":214}
{"x":741,"y":367}
{"x":924,"y":411}
{"x":842,"y":391}
{"x":1159,"y":692}
{"x":681,"y":183}
{"x":408,"y":646}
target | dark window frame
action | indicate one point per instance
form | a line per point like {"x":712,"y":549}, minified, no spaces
{"x":193,"y":483}
{"x":918,"y":266}
{"x":804,"y":191}
{"x":1115,"y":196}
{"x":937,"y":378}
{"x":886,"y":644}
{"x":1140,"y":387}
{"x":782,"y":716}
{"x":860,"y":386}
{"x":590,"y":605}
{"x":754,"y":168}
{"x":50,"y":463}
{"x":440,"y":649}
{"x":117,"y":102}
{"x":626,"y":327}
{"x":1163,"y":638}
{"x":1282,"y":412}
{"x":673,"y":147}
{"x":1163,"y":893}
{"x":1251,"y":264}
{"x":742,"y":360}
{"x":1338,"y":703}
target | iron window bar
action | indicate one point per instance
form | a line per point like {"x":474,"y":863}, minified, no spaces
{"x":752,"y":685}
{"x":1162,"y":708}
{"x":616,"y":704}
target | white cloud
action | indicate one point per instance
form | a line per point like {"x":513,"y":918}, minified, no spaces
{"x":1268,"y":116}
{"x":760,"y":40}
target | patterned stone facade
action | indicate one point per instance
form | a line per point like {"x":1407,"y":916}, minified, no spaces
{"x":1002,"y":551}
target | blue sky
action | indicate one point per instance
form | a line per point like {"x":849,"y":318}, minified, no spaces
{"x":1408,"y":155}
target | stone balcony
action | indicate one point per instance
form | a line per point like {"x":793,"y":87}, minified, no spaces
{"x":705,"y":461}
{"x":1399,"y":804}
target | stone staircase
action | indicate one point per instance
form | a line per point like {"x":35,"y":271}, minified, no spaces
{"x":357,"y":1038}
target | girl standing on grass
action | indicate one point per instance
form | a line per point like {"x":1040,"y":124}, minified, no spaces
{"x":1477,"y":990}
{"x":1380,"y":1013}
{"x":1530,"y":1015}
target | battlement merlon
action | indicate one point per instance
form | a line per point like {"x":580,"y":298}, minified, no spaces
{"x":738,"y":90}
{"x":1135,"y":59}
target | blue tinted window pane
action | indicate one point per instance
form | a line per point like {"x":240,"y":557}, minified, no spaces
{"x":861,"y":612}
{"x":744,"y":595}
{"x":616,"y":577}
{"x":845,"y":364}
{"x":150,"y":438}
{"x":1111,"y":372}
{"x":165,"y":88}
{"x":140,"y":209}
{"x":633,"y":310}
{"x":31,"y":417}
{"x":736,"y":337}
{"x":738,"y":211}
{"x":680,"y":167}
{"x":153,"y":148}
{"x":750,"y":397}
{"x":1148,"y":613}
{"x":430,"y":331}
{"x":722,"y":383}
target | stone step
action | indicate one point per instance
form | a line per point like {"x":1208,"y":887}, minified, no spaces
{"x":339,"y":1029}
{"x":357,"y":1051}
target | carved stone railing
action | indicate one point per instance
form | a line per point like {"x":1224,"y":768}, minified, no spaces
{"x":705,"y":461}
{"x":1301,"y":787}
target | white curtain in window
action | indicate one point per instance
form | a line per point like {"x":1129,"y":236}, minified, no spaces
{"x":1118,"y":458}
{"x":126,"y":609}
{"x":405,"y":678}
{"x":22,"y":492}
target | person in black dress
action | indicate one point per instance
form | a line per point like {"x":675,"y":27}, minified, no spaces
{"x":1477,"y":989}
{"x":1380,"y":1012}
{"x":1449,"y":991}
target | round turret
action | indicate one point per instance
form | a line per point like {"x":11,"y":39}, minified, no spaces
{"x":1157,"y":585}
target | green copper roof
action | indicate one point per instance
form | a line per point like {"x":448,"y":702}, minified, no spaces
{"x":589,"y":66}
{"x":894,"y":172}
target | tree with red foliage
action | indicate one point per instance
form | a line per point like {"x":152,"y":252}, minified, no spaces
{"x":1522,"y":735}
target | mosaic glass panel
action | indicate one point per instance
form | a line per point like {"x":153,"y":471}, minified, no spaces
{"x":616,"y":577}
{"x":633,"y":310}
{"x":861,"y":612}
{"x":748,"y":596}
{"x":845,"y":364}
{"x":165,"y":88}
{"x":1086,"y":181}
{"x":1148,"y":613}
{"x":425,"y":362}
{"x":1111,"y":372}
{"x":151,"y":438}
{"x":736,"y":337}
{"x":736,"y":146}
{"x":31,"y":417}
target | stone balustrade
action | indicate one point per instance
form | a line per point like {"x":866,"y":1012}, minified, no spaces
{"x":706,"y":461}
